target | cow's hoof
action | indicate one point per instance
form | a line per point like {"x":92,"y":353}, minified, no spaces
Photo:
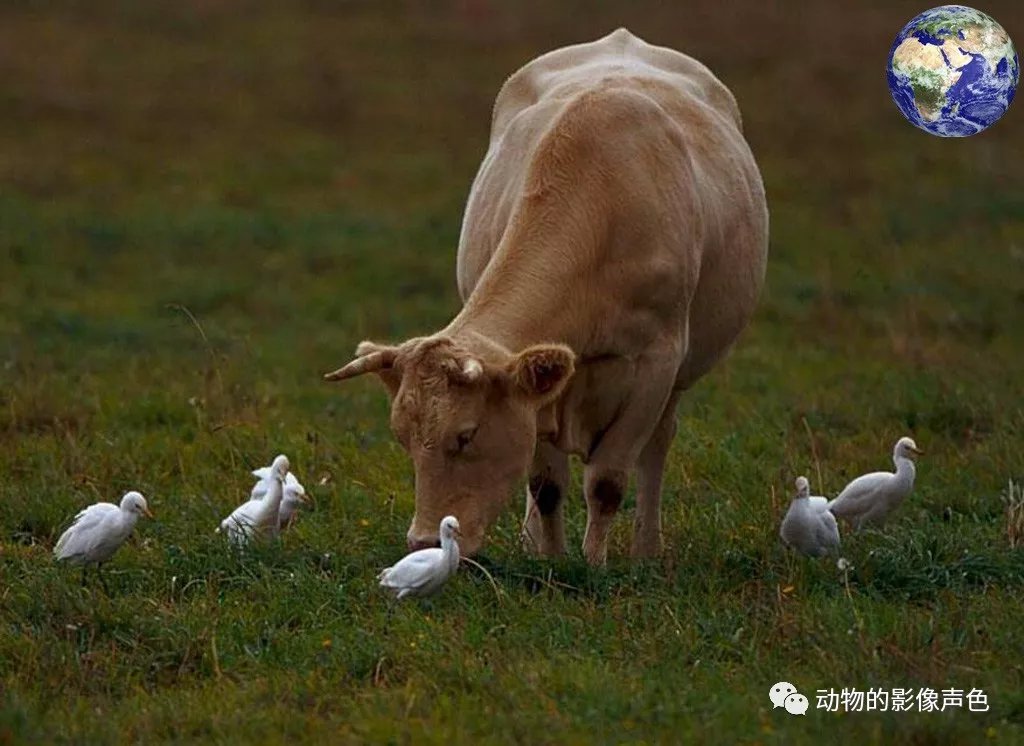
{"x":646,"y":548}
{"x":540,"y":547}
{"x":596,"y":556}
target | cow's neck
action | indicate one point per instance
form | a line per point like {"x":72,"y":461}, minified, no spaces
{"x":503,"y":325}
{"x":526,"y":294}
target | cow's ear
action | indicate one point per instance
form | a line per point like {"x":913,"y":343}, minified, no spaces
{"x":542,"y":371}
{"x":372,"y":358}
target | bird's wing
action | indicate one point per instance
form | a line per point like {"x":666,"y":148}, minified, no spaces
{"x":786,"y":528}
{"x":414,"y":570}
{"x":262,"y":479}
{"x":85,"y":520}
{"x":828,"y":530}
{"x":858,"y":495}
{"x":69,"y":544}
{"x":259,"y":490}
{"x":289,"y":507}
{"x":796,"y":530}
{"x":246,"y":512}
{"x":86,"y":532}
{"x":253,"y":516}
{"x":243,"y":519}
{"x":94,"y":514}
{"x":109,"y":535}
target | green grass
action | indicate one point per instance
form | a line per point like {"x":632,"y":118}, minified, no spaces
{"x":294,"y":177}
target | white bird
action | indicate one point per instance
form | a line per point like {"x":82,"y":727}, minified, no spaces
{"x":809,"y":527}
{"x":294,"y":495}
{"x":815,"y":501}
{"x":871,"y":497}
{"x":423,"y":572}
{"x":99,"y":531}
{"x":259,"y":517}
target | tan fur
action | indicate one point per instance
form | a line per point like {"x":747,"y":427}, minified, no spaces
{"x":613,"y":248}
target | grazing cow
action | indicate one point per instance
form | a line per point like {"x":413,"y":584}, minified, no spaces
{"x":613,"y":248}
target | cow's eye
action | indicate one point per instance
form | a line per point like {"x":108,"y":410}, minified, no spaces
{"x":464,"y":438}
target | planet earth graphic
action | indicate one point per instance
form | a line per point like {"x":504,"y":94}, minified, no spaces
{"x":953,"y":71}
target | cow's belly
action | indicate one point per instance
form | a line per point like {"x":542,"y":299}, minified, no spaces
{"x":731,"y":277}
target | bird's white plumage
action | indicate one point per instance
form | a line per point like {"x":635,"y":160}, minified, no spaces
{"x":808,"y":526}
{"x":869,"y":499}
{"x":293,"y":498}
{"x":99,"y":530}
{"x":423,"y":572}
{"x":259,"y":518}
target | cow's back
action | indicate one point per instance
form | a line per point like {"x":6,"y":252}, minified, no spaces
{"x":564,"y":73}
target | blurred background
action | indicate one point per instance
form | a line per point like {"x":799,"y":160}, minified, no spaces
{"x":293,"y":174}
{"x":204,"y":205}
{"x":298,"y":170}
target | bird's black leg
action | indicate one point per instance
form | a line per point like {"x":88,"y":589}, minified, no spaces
{"x":103,"y":581}
{"x":85,"y":566}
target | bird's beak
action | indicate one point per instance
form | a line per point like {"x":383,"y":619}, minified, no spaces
{"x":457,"y":532}
{"x":918,"y":451}
{"x":149,"y":513}
{"x":305,"y":498}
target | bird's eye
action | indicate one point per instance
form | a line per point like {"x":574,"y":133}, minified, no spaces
{"x":464,"y":438}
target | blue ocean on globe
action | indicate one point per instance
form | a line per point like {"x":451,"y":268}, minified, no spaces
{"x":953,"y":71}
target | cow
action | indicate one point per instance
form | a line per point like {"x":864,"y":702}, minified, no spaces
{"x":612,"y":249}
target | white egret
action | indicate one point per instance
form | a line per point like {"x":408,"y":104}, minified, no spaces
{"x":871,"y":497}
{"x":99,"y":530}
{"x":294,"y":495}
{"x":423,"y":572}
{"x":809,"y":527}
{"x":259,"y":517}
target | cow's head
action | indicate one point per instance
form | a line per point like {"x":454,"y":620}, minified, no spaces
{"x":468,"y":422}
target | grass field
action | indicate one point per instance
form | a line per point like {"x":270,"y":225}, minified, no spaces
{"x":292,"y":176}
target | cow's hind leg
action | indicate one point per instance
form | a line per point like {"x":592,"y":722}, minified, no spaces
{"x":544,"y":525}
{"x":650,"y":469}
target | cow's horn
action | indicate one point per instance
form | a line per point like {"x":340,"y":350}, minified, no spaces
{"x":466,"y":371}
{"x":370,"y":363}
{"x":472,"y":369}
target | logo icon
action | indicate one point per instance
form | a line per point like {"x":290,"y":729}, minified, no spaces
{"x":779,"y":692}
{"x":786,"y":696}
{"x":796,"y":704}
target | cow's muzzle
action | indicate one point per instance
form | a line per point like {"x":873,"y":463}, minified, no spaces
{"x":421,"y":542}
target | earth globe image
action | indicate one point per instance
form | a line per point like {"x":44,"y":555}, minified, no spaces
{"x":953,"y":71}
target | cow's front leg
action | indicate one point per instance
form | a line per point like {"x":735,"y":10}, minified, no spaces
{"x":604,"y":489}
{"x":618,"y":450}
{"x":544,"y":525}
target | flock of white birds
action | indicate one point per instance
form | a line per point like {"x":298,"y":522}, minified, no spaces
{"x":809,"y":526}
{"x":99,"y":530}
